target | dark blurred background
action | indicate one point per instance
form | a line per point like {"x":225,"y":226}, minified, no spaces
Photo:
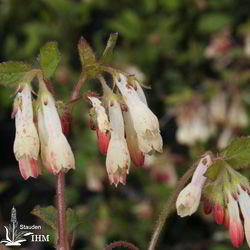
{"x":195,"y":55}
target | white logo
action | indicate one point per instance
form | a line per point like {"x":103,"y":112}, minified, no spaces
{"x":15,"y":234}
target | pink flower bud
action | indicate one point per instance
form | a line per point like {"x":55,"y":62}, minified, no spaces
{"x":218,"y":213}
{"x":236,"y":232}
{"x":226,"y":218}
{"x":208,"y":206}
{"x":102,"y":124}
{"x":26,"y":144}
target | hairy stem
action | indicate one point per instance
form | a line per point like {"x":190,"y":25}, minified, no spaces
{"x":78,"y":86}
{"x":168,"y":208}
{"x":62,"y":243}
{"x":121,"y":244}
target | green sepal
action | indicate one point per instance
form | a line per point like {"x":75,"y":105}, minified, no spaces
{"x":237,"y":154}
{"x":12,"y":73}
{"x":49,"y":58}
{"x":215,"y":169}
{"x":107,"y":53}
{"x":214,"y":191}
{"x":88,"y":59}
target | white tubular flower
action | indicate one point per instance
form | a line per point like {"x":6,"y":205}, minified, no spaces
{"x":244,"y":201}
{"x":237,"y":115}
{"x":140,"y":93}
{"x":236,"y":232}
{"x":102,"y":124}
{"x":26,"y":144}
{"x":145,"y":123}
{"x":118,"y":158}
{"x":55,"y":149}
{"x":218,"y":107}
{"x":189,"y":198}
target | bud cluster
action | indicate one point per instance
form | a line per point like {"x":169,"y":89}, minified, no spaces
{"x":226,"y":197}
{"x":228,"y":201}
{"x":126,"y":128}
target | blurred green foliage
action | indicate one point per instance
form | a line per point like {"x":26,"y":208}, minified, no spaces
{"x":167,"y":41}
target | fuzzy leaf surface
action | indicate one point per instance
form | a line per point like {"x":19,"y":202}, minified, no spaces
{"x":11,"y":73}
{"x":87,"y":58}
{"x":237,"y":154}
{"x":49,"y":58}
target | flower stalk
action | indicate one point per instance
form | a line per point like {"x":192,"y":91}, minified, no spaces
{"x":62,"y":243}
{"x":169,"y":206}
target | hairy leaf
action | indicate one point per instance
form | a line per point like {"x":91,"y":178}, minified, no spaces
{"x":46,"y":214}
{"x":49,"y":58}
{"x":237,"y":154}
{"x":11,"y":73}
{"x":88,"y":59}
{"x":214,"y":170}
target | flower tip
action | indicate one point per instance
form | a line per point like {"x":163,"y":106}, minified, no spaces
{"x":236,"y":233}
{"x":120,"y":176}
{"x":29,"y":168}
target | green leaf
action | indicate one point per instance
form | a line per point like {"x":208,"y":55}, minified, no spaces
{"x":237,"y":154}
{"x":214,"y":170}
{"x":129,"y":24}
{"x":49,"y":58}
{"x":107,"y":54}
{"x":72,"y":220}
{"x":46,"y":214}
{"x":88,"y":59}
{"x":12,"y":73}
{"x":215,"y":22}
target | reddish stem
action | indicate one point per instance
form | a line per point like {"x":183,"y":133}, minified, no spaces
{"x":62,"y":243}
{"x":77,"y":88}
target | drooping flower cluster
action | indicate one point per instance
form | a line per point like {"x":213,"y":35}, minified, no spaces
{"x":128,"y":131}
{"x":47,"y":138}
{"x":198,"y":120}
{"x":226,"y":198}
